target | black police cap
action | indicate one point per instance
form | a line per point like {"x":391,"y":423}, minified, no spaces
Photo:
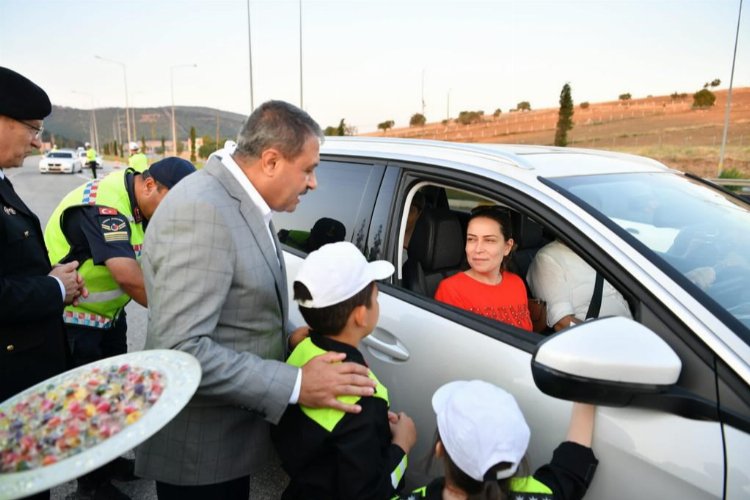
{"x":170,"y":171}
{"x":20,"y":98}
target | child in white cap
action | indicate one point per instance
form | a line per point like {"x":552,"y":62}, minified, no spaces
{"x":327,"y":453}
{"x":482,"y":440}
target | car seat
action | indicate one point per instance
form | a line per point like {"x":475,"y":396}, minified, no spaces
{"x":435,"y":251}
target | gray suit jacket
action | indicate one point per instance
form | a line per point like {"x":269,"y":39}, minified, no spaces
{"x":217,"y":290}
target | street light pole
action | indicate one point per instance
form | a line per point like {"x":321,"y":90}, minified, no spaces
{"x":301,"y":104}
{"x":125,"y":79}
{"x":250,"y":58}
{"x":174,"y":122}
{"x":729,"y":96}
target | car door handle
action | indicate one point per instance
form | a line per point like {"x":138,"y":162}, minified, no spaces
{"x":395,"y":351}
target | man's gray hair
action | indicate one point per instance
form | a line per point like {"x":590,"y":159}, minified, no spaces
{"x":276,"y":124}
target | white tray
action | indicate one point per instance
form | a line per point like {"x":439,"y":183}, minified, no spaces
{"x":181,"y":373}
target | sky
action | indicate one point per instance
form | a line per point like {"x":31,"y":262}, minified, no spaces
{"x":368,"y":61}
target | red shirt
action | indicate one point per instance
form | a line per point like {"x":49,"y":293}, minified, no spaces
{"x":506,"y":302}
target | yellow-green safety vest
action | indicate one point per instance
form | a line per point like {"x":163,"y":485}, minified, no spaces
{"x":328,"y":417}
{"x":138,"y":162}
{"x":106,"y":299}
{"x":90,"y":155}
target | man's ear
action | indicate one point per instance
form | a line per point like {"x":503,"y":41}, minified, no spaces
{"x":269,"y":160}
{"x":149,"y":185}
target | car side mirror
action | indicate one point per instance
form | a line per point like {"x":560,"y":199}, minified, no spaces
{"x":609,"y":362}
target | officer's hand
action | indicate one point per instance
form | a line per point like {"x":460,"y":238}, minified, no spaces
{"x":70,"y":278}
{"x":325,"y":377}
{"x":404,"y":432}
{"x":298,"y":335}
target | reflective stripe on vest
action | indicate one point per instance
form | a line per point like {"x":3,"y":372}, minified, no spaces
{"x":106,"y":299}
{"x":528,"y":487}
{"x":328,"y":417}
{"x":86,"y":319}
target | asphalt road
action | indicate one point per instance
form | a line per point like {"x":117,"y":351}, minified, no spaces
{"x":42,"y":192}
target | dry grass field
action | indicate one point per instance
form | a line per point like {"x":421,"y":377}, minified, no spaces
{"x":659,"y":127}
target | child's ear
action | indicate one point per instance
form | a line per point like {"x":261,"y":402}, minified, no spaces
{"x":360,"y":315}
{"x":439,"y":449}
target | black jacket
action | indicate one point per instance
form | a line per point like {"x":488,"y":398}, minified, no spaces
{"x":354,"y":459}
{"x":32,"y":337}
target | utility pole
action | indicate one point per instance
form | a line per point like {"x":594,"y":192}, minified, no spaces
{"x":250,"y":56}
{"x":423,"y":106}
{"x":125,"y":79}
{"x":729,"y":96}
{"x":301,"y":102}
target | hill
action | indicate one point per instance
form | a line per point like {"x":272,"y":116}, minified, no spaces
{"x":70,"y":126}
{"x":665,"y":128}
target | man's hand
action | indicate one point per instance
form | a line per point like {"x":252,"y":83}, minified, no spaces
{"x":565,"y":322}
{"x":71,"y":280}
{"x":403,"y":430}
{"x":325,"y":377}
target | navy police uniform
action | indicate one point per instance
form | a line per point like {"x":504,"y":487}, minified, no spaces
{"x":100,"y":233}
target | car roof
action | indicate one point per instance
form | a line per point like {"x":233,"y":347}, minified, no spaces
{"x":528,"y":161}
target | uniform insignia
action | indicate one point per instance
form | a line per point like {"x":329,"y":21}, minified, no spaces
{"x":114,"y":228}
{"x":9,"y":210}
{"x":107,"y":211}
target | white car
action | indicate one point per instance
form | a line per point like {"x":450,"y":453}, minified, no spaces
{"x":63,"y":161}
{"x":673,"y":384}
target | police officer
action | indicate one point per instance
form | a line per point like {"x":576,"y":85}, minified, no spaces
{"x":101,"y":224}
{"x":137,"y":160}
{"x":32,"y":292}
{"x":91,"y":159}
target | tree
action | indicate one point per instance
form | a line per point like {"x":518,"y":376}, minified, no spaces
{"x":584,"y":105}
{"x":163,"y":146}
{"x":341,"y":130}
{"x":115,"y":150}
{"x":497,"y":112}
{"x":523,"y":106}
{"x":384,"y":126}
{"x":703,"y":99}
{"x":329,"y":130}
{"x":209,"y":146}
{"x":106,"y":148}
{"x":417,"y":120}
{"x":715,"y":82}
{"x":469,"y":117}
{"x":625,"y":97}
{"x":564,"y":117}
{"x":192,"y":145}
{"x":143,"y":144}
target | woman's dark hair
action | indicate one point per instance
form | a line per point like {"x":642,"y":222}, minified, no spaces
{"x":489,"y":489}
{"x":501,"y":215}
{"x":332,"y":319}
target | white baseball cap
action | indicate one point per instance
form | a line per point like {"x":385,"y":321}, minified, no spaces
{"x":134,"y":145}
{"x":336,"y":272}
{"x":480,"y":425}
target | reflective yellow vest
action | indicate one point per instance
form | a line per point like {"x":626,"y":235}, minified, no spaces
{"x":328,"y":417}
{"x":138,"y":162}
{"x":90,"y":155}
{"x":106,"y":299}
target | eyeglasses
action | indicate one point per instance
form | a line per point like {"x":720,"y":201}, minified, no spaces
{"x":37,"y":130}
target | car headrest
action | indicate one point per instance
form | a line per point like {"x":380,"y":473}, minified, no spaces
{"x":526,"y":232}
{"x":438,"y":241}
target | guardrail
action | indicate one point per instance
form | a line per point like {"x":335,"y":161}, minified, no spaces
{"x":731,"y":182}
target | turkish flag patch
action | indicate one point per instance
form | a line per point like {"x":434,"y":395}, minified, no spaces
{"x":107,"y":211}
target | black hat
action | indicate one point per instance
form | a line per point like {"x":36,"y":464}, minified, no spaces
{"x":170,"y":171}
{"x":20,"y":98}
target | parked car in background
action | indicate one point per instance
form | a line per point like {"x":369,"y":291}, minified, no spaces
{"x":673,"y":384}
{"x":63,"y":161}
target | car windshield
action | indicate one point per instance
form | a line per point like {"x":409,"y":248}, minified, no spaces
{"x":60,"y":154}
{"x":695,"y":232}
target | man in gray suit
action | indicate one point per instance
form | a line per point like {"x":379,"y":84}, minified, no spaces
{"x":216,"y":285}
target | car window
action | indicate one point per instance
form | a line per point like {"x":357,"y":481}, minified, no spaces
{"x":684,"y":225}
{"x":339,"y":209}
{"x":60,"y":154}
